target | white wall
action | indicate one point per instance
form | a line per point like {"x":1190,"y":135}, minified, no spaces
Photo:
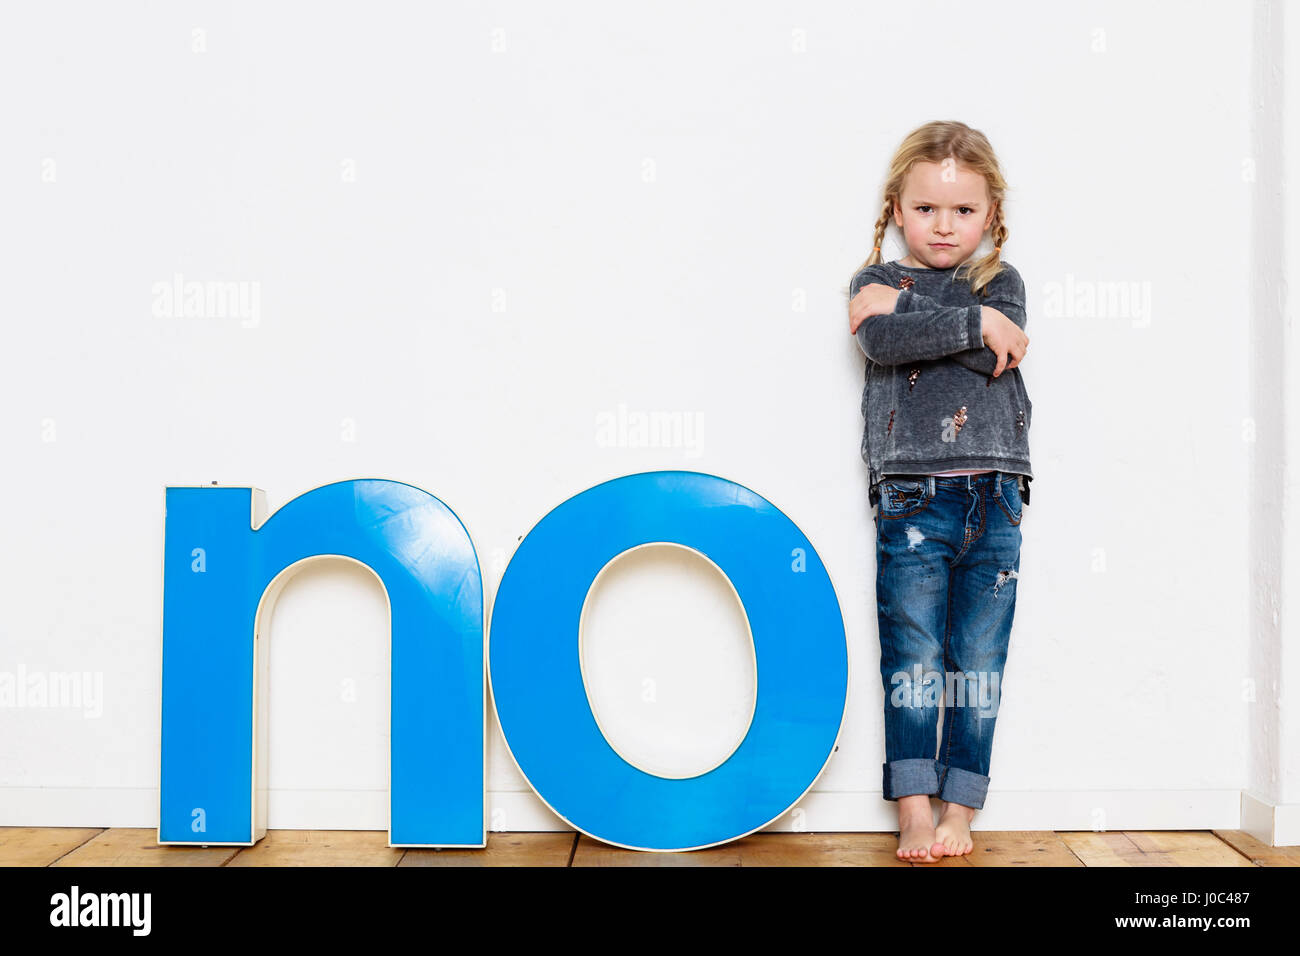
{"x":474,"y":230}
{"x":1274,"y":773}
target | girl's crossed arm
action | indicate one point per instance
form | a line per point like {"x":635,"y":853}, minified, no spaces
{"x":905,"y":326}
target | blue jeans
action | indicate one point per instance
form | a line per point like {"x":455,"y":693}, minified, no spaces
{"x":947,"y":563}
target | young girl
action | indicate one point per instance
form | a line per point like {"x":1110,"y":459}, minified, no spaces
{"x":946,"y":442}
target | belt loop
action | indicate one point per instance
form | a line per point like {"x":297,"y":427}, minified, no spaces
{"x":997,"y":484}
{"x":929,"y":483}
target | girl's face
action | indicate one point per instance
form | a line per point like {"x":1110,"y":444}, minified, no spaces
{"x":943,"y":213}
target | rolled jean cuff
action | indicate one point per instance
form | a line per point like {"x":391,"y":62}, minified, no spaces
{"x":963,"y":786}
{"x":902,"y":778}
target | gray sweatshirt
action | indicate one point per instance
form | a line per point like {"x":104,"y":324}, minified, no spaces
{"x":930,"y":402}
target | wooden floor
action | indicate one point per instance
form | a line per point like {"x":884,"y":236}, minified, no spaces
{"x":57,"y":846}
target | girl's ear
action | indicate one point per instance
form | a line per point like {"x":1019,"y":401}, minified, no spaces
{"x":898,"y":213}
{"x":992,"y":212}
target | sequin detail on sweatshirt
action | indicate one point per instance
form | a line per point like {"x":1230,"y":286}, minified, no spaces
{"x":906,"y":282}
{"x":959,"y":420}
{"x":890,"y":429}
{"x":1020,"y":420}
{"x":911,"y":379}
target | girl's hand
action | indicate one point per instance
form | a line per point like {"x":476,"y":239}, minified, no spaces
{"x":1004,"y":337}
{"x":874,"y":298}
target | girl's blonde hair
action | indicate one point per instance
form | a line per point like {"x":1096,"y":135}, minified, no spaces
{"x":936,"y":142}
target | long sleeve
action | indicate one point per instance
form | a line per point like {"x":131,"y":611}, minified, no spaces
{"x":980,"y":359}
{"x":935,"y":328}
{"x":903,"y":336}
{"x":897,"y":338}
{"x":1006,"y":294}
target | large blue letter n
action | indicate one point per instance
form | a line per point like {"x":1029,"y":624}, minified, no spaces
{"x":216,"y":568}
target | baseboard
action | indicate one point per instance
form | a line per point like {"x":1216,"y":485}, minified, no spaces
{"x":826,"y":812}
{"x":1273,"y":826}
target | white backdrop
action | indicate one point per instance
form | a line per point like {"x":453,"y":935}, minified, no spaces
{"x":466,"y":238}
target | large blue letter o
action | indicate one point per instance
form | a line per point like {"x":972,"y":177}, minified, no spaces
{"x":799,"y":648}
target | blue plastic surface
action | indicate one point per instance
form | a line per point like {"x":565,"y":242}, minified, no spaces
{"x":216,"y":568}
{"x":799,"y":648}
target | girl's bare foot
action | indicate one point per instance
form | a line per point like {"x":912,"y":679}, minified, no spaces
{"x":916,"y":832}
{"x":952,"y":835}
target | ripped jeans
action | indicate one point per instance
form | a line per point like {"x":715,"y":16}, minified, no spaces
{"x":947,"y":564}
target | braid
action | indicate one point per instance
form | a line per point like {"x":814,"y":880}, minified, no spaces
{"x":983,"y":272}
{"x":1000,"y":234}
{"x":881,"y":225}
{"x":886,"y":212}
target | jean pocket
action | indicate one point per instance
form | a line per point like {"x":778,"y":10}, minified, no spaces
{"x":1009,"y":501}
{"x":902,"y":497}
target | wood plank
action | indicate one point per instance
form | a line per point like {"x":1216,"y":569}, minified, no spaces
{"x":1187,"y":848}
{"x":320,"y":848}
{"x":595,"y":853}
{"x":992,"y":848}
{"x":125,"y":846}
{"x":503,"y":849}
{"x":1020,"y":848}
{"x":1107,"y":848}
{"x":1153,"y":848}
{"x":41,"y":846}
{"x":1258,"y":852}
{"x":820,"y":849}
{"x":91,"y":846}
